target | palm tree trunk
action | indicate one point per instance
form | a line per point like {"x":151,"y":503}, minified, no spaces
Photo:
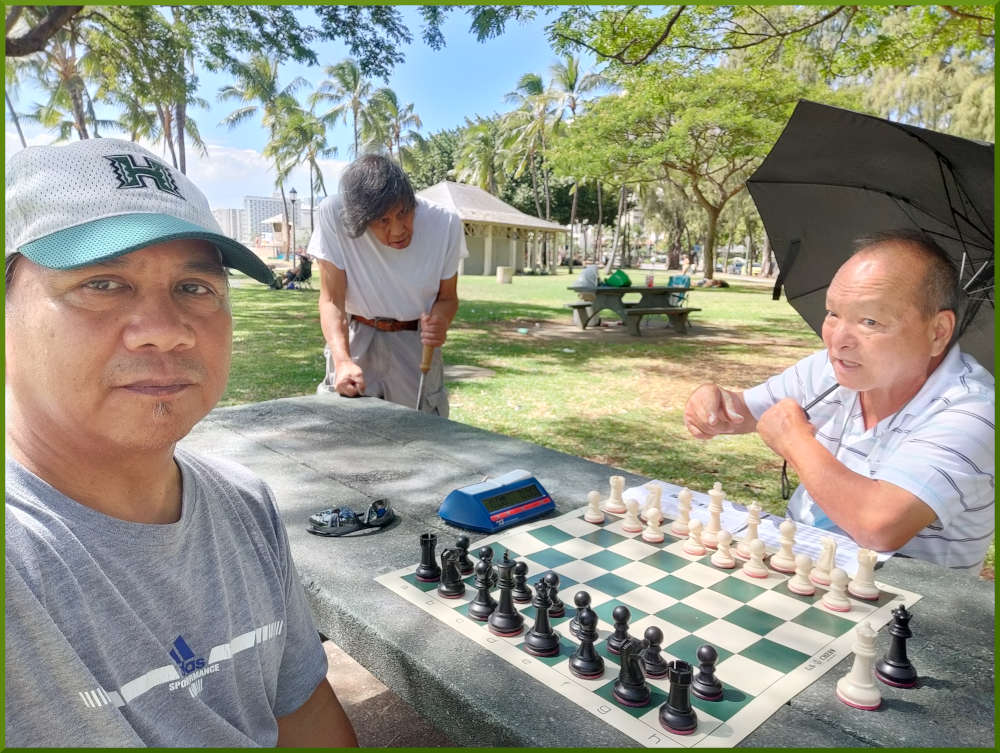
{"x":600,"y":221}
{"x":572,"y":223}
{"x":618,"y":224}
{"x":180,"y":118}
{"x":534,"y":186}
{"x":13,"y":116}
{"x":355,"y":110}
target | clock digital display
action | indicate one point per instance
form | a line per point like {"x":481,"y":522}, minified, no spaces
{"x":511,"y":498}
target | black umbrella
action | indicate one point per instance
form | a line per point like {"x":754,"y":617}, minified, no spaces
{"x":835,"y":175}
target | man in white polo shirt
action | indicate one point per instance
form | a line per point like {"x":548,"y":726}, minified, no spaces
{"x":389,"y":285}
{"x":900,"y":456}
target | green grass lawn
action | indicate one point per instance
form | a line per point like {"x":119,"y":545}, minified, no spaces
{"x":600,"y":395}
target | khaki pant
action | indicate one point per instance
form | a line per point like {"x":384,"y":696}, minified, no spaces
{"x":390,"y":362}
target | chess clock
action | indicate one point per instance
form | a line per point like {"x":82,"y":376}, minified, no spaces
{"x":497,"y":503}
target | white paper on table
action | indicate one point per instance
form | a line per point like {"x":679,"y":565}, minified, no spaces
{"x":808,"y":539}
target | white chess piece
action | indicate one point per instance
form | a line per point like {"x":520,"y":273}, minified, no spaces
{"x":784,"y":559}
{"x":800,"y":583}
{"x":863,"y":586}
{"x":594,"y":513}
{"x":858,"y":687}
{"x":820,"y":574}
{"x":680,"y":526}
{"x":710,"y":536}
{"x":723,"y":556}
{"x":614,"y":503}
{"x":652,"y":532}
{"x":654,"y":492}
{"x":693,"y":545}
{"x":631,"y":522}
{"x":755,"y":567}
{"x":753,"y":522}
{"x":836,"y":598}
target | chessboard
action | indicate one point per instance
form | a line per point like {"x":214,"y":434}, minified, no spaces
{"x":771,"y":642}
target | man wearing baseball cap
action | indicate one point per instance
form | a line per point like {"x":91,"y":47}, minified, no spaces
{"x":151,"y":596}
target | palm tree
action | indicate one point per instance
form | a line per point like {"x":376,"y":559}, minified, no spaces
{"x":349,"y":91}
{"x":12,"y":74}
{"x":386,"y":123}
{"x":482,"y":153}
{"x":528,"y":124}
{"x":301,"y":137}
{"x":58,"y":69}
{"x":258,"y":89}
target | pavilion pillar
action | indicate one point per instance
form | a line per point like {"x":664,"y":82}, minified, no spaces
{"x":488,"y":268}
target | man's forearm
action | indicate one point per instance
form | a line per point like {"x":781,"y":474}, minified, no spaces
{"x":333,"y":322}
{"x":445,"y":308}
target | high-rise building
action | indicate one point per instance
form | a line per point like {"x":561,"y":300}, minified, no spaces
{"x":231,"y":222}
{"x":256,"y":209}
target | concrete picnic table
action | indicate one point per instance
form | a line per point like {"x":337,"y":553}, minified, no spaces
{"x":658,"y":299}
{"x":327,"y":451}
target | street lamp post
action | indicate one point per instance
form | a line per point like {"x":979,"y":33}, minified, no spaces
{"x":293,"y":195}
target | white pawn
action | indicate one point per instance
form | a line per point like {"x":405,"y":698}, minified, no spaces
{"x":820,"y":574}
{"x":594,"y":513}
{"x":753,"y":522}
{"x":615,"y":503}
{"x":800,"y":583}
{"x":863,"y":586}
{"x":723,"y":557}
{"x":652,"y":532}
{"x":784,"y":559}
{"x":680,"y":526}
{"x":836,"y":598}
{"x":631,"y":521}
{"x":755,"y":567}
{"x":693,"y":545}
{"x":652,"y":500}
{"x":858,"y":688}
{"x":710,"y":536}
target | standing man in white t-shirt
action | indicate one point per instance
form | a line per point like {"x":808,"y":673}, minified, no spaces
{"x":388,"y":265}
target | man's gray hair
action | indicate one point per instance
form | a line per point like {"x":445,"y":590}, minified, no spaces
{"x":940,"y":288}
{"x":371,"y":186}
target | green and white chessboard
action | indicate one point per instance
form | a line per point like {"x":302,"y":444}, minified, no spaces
{"x":771,"y":642}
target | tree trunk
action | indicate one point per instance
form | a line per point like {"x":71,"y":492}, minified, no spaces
{"x":79,"y":113}
{"x":709,"y":253}
{"x":288,"y":231}
{"x":180,"y":117}
{"x":17,"y":122}
{"x":618,"y":224}
{"x":600,"y":221}
{"x":766,"y":258}
{"x":534,"y":186}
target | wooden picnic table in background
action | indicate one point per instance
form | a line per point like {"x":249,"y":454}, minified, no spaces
{"x":659,"y":299}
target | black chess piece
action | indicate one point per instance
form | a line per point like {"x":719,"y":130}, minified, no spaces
{"x":705,"y":684}
{"x":581,"y":600}
{"x":451,"y":585}
{"x":521,"y":592}
{"x":676,"y":714}
{"x":621,"y":615}
{"x":895,"y":668}
{"x":653,"y":664}
{"x":585,"y":661}
{"x":428,"y":570}
{"x":465,"y":565}
{"x":556,"y":606}
{"x":483,"y":605}
{"x":541,"y":640}
{"x":505,"y":619}
{"x":486,"y":554}
{"x":630,"y":688}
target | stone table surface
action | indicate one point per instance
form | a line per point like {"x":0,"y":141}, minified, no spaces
{"x":326,"y":451}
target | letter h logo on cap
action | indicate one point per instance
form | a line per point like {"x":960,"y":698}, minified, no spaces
{"x":130,"y":174}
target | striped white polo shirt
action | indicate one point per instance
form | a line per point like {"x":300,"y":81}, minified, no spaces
{"x":939,"y":447}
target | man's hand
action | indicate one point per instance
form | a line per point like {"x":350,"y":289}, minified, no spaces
{"x":433,"y":329}
{"x":783,"y":426}
{"x":711,"y":411}
{"x":350,"y":381}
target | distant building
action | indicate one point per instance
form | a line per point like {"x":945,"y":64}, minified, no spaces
{"x":231,"y":221}
{"x":257,"y":209}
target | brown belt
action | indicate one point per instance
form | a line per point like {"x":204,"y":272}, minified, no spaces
{"x":385,"y":324}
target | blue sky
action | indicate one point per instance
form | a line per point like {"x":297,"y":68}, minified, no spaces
{"x":465,"y":78}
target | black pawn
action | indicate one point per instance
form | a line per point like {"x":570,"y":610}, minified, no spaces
{"x":895,"y":668}
{"x":451,"y":586}
{"x":465,"y":565}
{"x":582,"y":601}
{"x":705,"y":684}
{"x":521,"y":592}
{"x":676,"y":714}
{"x":483,"y":605}
{"x":621,"y":615}
{"x":653,"y":664}
{"x":585,"y":661}
{"x":428,"y":570}
{"x":556,"y":606}
{"x":505,"y":619}
{"x":630,"y":688}
{"x":486,"y":555}
{"x":541,"y":640}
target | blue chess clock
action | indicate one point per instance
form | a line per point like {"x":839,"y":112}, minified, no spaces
{"x":497,"y":503}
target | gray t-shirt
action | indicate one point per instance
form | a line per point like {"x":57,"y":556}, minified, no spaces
{"x":195,"y":633}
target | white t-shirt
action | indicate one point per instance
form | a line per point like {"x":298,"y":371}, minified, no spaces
{"x":388,"y":282}
{"x":939,"y":447}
